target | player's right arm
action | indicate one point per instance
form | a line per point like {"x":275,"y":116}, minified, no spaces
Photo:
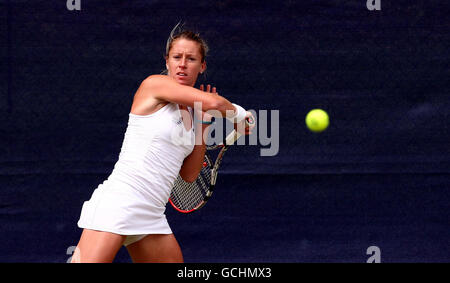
{"x":160,"y":89}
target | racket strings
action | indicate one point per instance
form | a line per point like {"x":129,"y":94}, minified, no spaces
{"x":187,"y":196}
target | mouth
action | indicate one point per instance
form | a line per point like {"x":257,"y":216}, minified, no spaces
{"x":181,"y":74}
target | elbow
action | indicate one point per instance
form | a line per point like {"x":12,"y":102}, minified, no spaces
{"x":189,"y":179}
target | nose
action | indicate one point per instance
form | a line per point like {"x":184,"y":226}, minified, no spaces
{"x":183,"y":62}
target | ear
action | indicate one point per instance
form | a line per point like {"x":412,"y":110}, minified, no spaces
{"x":203,"y":68}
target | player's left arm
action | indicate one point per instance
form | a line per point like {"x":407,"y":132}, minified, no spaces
{"x":192,"y":164}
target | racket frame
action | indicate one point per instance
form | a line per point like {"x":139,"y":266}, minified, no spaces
{"x":229,"y":140}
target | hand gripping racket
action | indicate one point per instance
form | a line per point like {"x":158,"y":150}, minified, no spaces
{"x":189,"y":197}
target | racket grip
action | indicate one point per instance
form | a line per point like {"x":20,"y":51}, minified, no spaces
{"x":235,"y":135}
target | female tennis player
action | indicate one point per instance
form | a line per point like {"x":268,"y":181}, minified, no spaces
{"x":128,"y":208}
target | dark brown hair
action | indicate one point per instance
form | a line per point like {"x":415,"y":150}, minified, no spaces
{"x":178,"y":32}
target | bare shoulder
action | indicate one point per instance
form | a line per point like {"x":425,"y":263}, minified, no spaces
{"x":155,"y":80}
{"x":145,"y":101}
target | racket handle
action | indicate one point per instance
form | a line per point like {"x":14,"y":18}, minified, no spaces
{"x":235,"y":135}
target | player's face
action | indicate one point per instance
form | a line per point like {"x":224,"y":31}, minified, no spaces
{"x":184,"y":61}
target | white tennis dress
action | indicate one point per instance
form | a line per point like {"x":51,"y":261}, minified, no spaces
{"x":132,"y":201}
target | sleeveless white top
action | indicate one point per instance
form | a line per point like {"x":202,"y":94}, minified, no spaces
{"x":132,"y":200}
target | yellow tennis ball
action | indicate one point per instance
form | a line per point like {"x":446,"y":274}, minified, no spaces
{"x":317,"y":120}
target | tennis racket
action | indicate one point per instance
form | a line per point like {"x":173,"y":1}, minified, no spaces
{"x":189,"y":197}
